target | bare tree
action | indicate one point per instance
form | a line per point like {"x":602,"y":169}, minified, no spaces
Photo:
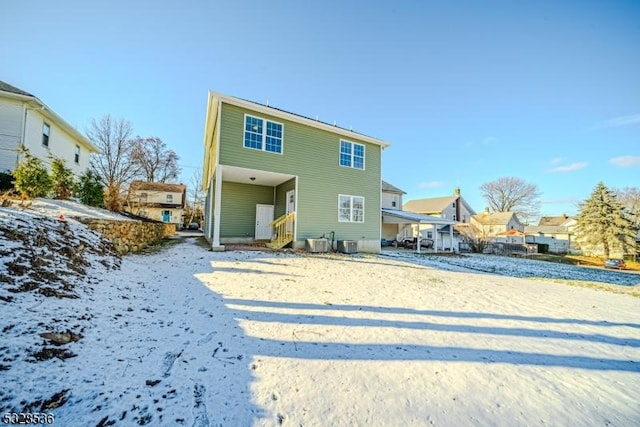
{"x":157,"y":162}
{"x":197,"y":199}
{"x":115,"y":164}
{"x":629,"y":198}
{"x":510,"y":194}
{"x":476,"y":235}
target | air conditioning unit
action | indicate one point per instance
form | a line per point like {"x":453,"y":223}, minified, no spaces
{"x":347,"y":246}
{"x":317,"y":245}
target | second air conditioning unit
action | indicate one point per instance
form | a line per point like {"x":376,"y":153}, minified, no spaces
{"x":347,"y":246}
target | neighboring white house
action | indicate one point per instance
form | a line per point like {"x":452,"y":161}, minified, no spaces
{"x":157,"y":200}
{"x":555,"y":231}
{"x":495,"y":226}
{"x":24,"y":119}
{"x":452,"y":208}
{"x":398,"y":225}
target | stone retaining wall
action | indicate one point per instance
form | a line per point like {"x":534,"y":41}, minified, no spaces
{"x":130,"y":236}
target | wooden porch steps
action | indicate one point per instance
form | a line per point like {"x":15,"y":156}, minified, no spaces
{"x":282,"y":231}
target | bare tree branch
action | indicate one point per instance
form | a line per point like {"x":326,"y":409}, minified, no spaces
{"x":114,"y":165}
{"x":510,"y":194}
{"x":156,"y":162}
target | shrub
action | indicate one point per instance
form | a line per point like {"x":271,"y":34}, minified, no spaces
{"x":31,"y":177}
{"x":62,"y":179}
{"x":90,"y":189}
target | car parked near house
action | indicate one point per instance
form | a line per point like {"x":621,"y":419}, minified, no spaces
{"x":193,"y":226}
{"x":614,"y":263}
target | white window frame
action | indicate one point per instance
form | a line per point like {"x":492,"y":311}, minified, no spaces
{"x":264,"y":134}
{"x":46,"y":134}
{"x":76,"y":156}
{"x":351,"y":211}
{"x":352,"y":155}
{"x":169,"y":198}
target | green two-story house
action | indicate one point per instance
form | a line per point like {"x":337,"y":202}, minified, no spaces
{"x":275,"y":176}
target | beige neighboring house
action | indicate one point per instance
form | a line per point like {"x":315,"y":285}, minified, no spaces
{"x":157,"y":200}
{"x":555,"y":231}
{"x":452,"y":208}
{"x":496,"y":226}
{"x":26,"y":120}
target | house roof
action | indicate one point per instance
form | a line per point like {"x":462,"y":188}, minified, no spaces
{"x":553,"y":220}
{"x":157,"y":186}
{"x":414,"y":218}
{"x":546,"y":229}
{"x":277,"y":112}
{"x":10,"y":91}
{"x":432,"y":205}
{"x":497,"y":218}
{"x":6,"y":87}
{"x":390,"y":188}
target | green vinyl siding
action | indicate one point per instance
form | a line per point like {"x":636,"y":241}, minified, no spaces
{"x":238,"y":208}
{"x":281,"y":197}
{"x":312,"y":155}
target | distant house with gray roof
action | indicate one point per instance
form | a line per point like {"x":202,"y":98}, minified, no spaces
{"x":450,"y":208}
{"x":492,"y":224}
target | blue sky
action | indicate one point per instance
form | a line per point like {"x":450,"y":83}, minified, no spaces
{"x":466,"y":92}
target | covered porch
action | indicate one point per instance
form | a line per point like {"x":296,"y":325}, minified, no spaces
{"x":404,"y":218}
{"x":249,"y":205}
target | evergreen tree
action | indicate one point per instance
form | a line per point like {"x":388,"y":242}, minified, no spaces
{"x":31,"y":176}
{"x":62,"y":179}
{"x":90,"y":189}
{"x":603,"y":221}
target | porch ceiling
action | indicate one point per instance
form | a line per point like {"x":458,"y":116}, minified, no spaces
{"x":253,"y":176}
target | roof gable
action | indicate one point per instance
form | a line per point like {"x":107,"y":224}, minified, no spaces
{"x":553,"y":220}
{"x":497,"y":218}
{"x":432,"y":205}
{"x":156,"y":186}
{"x":390,"y":188}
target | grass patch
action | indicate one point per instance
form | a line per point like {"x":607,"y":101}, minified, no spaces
{"x":633,"y":291}
{"x":581,"y":260}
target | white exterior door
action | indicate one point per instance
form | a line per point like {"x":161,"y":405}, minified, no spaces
{"x":291,"y":207}
{"x":291,"y":201}
{"x":264,"y":216}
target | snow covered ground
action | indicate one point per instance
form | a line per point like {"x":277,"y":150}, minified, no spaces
{"x":520,"y":267}
{"x":184,"y":336}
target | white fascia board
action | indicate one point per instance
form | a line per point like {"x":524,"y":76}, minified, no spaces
{"x":51,"y":115}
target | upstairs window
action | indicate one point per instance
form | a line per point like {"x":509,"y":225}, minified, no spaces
{"x":351,"y":155}
{"x":46,"y":131}
{"x":76,"y":157}
{"x":169,"y":198}
{"x":262,"y":134}
{"x":350,"y":208}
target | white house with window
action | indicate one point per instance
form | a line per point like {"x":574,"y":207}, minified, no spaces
{"x":158,"y":201}
{"x":25,"y":120}
{"x":451,"y":208}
